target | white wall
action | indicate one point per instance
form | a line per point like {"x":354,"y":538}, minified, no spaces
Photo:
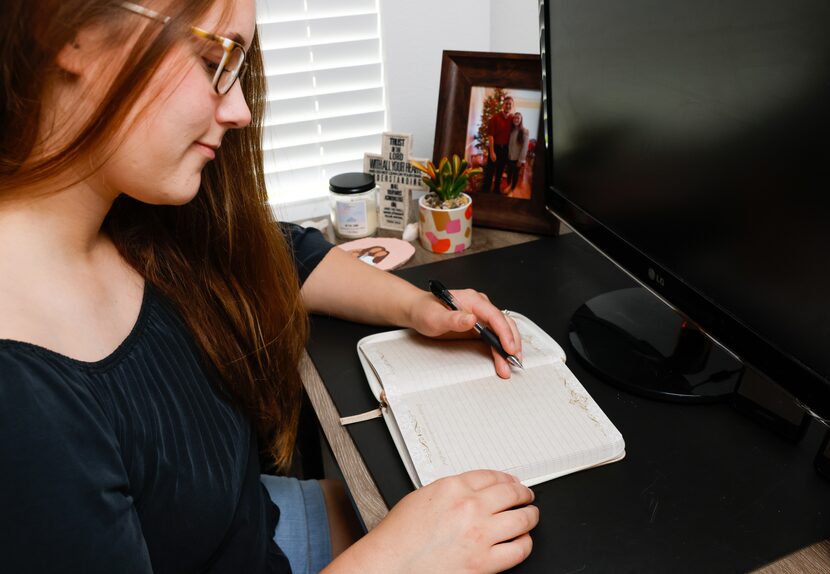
{"x":414,"y":36}
{"x":514,"y":26}
{"x":416,"y":33}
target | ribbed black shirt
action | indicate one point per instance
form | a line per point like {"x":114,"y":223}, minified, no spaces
{"x":133,"y":463}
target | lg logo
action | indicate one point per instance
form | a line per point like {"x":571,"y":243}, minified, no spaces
{"x":657,"y":278}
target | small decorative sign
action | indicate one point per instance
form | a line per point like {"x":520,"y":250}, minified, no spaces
{"x":396,"y":179}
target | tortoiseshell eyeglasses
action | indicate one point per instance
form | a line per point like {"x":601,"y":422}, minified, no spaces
{"x":225,"y":60}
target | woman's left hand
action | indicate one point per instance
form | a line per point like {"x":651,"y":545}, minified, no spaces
{"x":431,"y":318}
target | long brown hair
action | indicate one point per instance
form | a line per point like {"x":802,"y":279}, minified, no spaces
{"x":520,"y":136}
{"x":221,"y":259}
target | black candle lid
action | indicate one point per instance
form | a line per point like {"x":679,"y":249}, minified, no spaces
{"x":347,"y":183}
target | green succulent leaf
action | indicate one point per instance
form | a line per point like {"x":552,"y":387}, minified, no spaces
{"x":450,"y":178}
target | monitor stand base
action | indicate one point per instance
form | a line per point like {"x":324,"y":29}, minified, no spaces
{"x":636,"y":342}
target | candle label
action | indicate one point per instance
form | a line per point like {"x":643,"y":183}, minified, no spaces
{"x":351,"y":218}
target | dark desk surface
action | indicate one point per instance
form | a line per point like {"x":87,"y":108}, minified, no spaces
{"x":701,"y":487}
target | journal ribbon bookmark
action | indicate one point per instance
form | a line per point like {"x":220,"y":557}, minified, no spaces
{"x":373,"y":414}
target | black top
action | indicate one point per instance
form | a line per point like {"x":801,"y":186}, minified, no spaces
{"x":133,"y":463}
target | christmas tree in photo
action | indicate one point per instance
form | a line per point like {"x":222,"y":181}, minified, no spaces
{"x":492,"y":106}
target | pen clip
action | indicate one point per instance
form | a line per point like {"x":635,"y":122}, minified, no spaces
{"x":442,"y":293}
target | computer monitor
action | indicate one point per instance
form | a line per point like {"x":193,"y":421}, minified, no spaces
{"x":688,"y":142}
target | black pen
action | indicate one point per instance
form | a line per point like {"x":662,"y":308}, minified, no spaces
{"x":489,"y":336}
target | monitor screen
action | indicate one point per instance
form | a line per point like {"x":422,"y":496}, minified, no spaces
{"x":688,"y":141}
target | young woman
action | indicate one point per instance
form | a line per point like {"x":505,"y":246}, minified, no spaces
{"x":152,"y":316}
{"x":517,"y":151}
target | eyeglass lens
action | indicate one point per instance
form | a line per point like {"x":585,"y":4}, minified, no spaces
{"x":224,"y":67}
{"x":228,"y":73}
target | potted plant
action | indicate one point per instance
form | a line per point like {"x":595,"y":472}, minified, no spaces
{"x":446,"y":212}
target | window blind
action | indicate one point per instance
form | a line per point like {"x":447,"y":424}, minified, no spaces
{"x":326,"y":101}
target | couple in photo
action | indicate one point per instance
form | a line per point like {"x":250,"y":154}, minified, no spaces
{"x":507,"y":145}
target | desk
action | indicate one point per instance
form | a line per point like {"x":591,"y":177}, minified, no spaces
{"x":701,"y":488}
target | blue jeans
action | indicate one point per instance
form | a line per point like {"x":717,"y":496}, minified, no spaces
{"x":303,"y":530}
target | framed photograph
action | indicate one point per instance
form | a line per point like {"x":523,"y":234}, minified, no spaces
{"x":490,"y":113}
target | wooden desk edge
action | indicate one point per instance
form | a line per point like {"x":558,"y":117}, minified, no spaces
{"x":815,"y":558}
{"x":365,"y":493}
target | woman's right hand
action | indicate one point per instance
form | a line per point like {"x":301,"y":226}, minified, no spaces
{"x":478,"y":521}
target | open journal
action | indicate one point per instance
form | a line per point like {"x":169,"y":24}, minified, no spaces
{"x":448,"y":412}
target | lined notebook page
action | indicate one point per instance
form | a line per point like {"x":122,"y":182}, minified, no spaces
{"x":449,"y":412}
{"x":541,"y":423}
{"x":406,"y":362}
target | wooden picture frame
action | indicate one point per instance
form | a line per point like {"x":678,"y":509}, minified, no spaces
{"x":470,"y":84}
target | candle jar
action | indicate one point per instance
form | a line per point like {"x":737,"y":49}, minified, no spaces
{"x":354,"y":205}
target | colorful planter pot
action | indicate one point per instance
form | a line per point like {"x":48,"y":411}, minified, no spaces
{"x":446,"y":230}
